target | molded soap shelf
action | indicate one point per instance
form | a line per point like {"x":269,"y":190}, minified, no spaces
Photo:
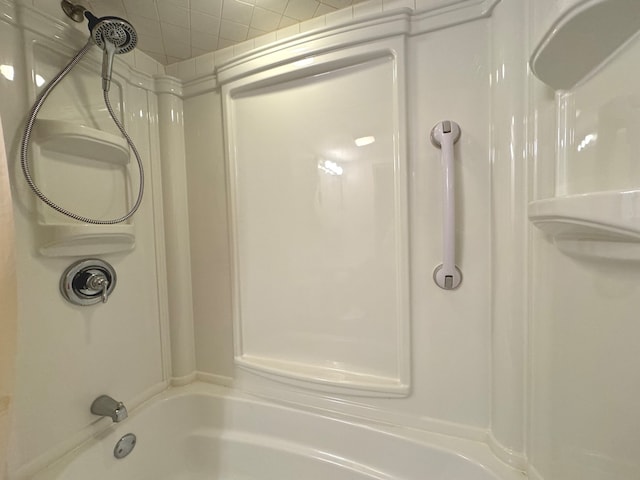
{"x":583,"y":38}
{"x":79,"y":239}
{"x":600,"y":225}
{"x":81,"y":141}
{"x":73,"y":240}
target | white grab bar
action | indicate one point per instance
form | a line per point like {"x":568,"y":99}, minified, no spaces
{"x":444,"y":135}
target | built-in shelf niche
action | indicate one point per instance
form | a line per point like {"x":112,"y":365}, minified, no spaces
{"x":58,"y":138}
{"x":81,"y":141}
{"x":585,"y":34}
{"x":68,"y":240}
{"x":593,"y":66}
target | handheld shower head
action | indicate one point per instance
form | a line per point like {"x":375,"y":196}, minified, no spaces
{"x":113,"y":35}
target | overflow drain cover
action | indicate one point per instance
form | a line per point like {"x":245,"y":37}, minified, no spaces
{"x":124,"y":446}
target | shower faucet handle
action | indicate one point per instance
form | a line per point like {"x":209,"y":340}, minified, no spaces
{"x":99,"y":282}
{"x":88,"y":282}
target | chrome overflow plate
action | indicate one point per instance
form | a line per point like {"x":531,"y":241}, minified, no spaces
{"x":124,"y":446}
{"x":88,"y":282}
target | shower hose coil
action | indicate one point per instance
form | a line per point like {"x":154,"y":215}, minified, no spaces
{"x":26,"y":137}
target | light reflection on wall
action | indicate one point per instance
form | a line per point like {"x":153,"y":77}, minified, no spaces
{"x":587,"y":140}
{"x":330,"y":167}
{"x":8,"y":72}
{"x":363,"y":141}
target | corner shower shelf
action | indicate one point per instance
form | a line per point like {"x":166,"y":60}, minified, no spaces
{"x":583,"y":38}
{"x":602,"y":225}
{"x":79,"y":239}
{"x":81,"y":141}
{"x":71,"y":240}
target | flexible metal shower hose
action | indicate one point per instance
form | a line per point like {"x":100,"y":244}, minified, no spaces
{"x":24,"y":148}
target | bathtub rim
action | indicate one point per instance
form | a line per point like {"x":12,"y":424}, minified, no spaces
{"x":477,"y":453}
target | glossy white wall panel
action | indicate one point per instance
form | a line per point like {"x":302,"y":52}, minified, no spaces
{"x":320,"y":220}
{"x":509,"y":196}
{"x":586,"y":381}
{"x":175,"y":203}
{"x":583,"y":419}
{"x":210,"y":260}
{"x":112,"y":348}
{"x":451,"y":329}
{"x":69,"y":355}
{"x":451,"y":337}
{"x":67,"y":101}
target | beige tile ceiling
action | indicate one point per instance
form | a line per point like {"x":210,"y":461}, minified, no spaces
{"x":174,"y":30}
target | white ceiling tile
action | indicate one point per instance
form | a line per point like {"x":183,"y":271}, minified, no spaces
{"x":340,"y":16}
{"x":277,"y":6}
{"x":237,"y":12}
{"x":367,"y":8}
{"x":197,"y":52}
{"x":265,"y":39}
{"x":253,"y":33}
{"x":174,"y":30}
{"x":287,"y":22}
{"x":243,"y":47}
{"x":337,"y":3}
{"x":205,"y":63}
{"x":145,"y":63}
{"x":225,"y":42}
{"x":212,"y":7}
{"x":145,"y":27}
{"x":264,"y":20}
{"x":324,"y":9}
{"x":151,"y":45}
{"x":233,"y":31}
{"x":201,"y":22}
{"x":160,"y":57}
{"x":204,"y":41}
{"x":173,"y":14}
{"x":105,"y":8}
{"x":187,"y":69}
{"x":141,"y":8}
{"x":172,"y":66}
{"x":313,"y":24}
{"x":287,"y":32}
{"x":223,"y":55}
{"x":181,"y":3}
{"x":173,"y":33}
{"x":177,"y":49}
{"x":301,"y":9}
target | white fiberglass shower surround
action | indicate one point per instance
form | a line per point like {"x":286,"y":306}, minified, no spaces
{"x":279,"y":273}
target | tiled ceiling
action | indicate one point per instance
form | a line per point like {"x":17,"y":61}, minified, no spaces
{"x":174,"y":30}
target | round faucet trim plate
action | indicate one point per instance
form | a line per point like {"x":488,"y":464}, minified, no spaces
{"x":88,"y":282}
{"x":124,"y":446}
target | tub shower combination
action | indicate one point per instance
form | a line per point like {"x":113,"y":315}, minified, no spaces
{"x":291,"y":298}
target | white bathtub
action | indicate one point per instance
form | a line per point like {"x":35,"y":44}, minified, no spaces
{"x":207,"y":432}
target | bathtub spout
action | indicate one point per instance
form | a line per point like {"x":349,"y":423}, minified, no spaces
{"x":105,"y":406}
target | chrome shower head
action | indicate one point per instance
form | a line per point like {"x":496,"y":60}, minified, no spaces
{"x":113,"y":35}
{"x":114,"y":30}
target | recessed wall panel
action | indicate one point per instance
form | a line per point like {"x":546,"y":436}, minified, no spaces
{"x":318,"y":195}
